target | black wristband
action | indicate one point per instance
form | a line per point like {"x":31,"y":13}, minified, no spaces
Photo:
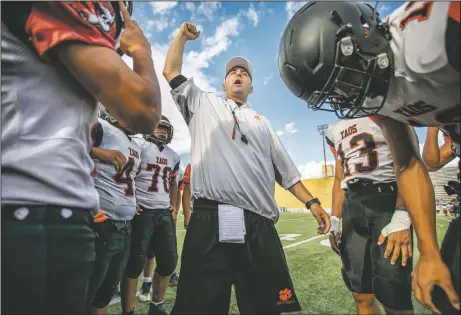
{"x":177,"y":81}
{"x":311,"y":202}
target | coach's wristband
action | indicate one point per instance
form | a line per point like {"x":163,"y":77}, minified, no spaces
{"x":311,"y":202}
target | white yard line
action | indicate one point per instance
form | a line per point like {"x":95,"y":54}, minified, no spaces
{"x":445,"y":219}
{"x":302,"y":242}
{"x":298,"y":219}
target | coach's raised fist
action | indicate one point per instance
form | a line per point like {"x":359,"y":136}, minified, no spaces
{"x":189,"y":31}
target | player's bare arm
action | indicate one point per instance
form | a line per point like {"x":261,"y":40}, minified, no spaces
{"x":415,"y":186}
{"x":398,"y":235}
{"x":435,"y":157}
{"x":173,"y":197}
{"x":174,"y":58}
{"x":302,"y":194}
{"x":178,"y":200}
{"x":186,"y":204}
{"x":336,"y":206}
{"x":132,"y":96}
{"x":417,"y":192}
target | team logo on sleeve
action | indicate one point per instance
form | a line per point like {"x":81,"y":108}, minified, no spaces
{"x":96,"y":13}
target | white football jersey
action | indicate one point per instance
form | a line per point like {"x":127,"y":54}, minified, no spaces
{"x":117,"y":191}
{"x":425,"y":90}
{"x":158,"y":169}
{"x":45,"y":126}
{"x":360,"y":144}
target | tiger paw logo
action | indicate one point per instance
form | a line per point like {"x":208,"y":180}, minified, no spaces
{"x":96,"y":13}
{"x":285,"y":297}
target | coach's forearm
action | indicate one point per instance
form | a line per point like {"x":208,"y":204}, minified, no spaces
{"x":300,"y":192}
{"x":174,"y":58}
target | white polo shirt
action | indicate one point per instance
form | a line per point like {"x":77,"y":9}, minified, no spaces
{"x":230,"y":171}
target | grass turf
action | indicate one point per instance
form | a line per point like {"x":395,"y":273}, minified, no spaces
{"x":314,"y":268}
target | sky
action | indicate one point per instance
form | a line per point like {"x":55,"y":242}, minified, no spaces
{"x":251,"y":30}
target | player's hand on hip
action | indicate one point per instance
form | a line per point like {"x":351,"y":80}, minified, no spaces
{"x":335,"y":235}
{"x":188,"y":31}
{"x":138,"y":209}
{"x":174,"y":211}
{"x":398,"y":235}
{"x":132,"y":38}
{"x":323,"y":219}
{"x":429,"y":271}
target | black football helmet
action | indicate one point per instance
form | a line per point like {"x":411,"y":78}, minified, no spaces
{"x":120,"y":25}
{"x":334,"y":55}
{"x":162,"y":135}
{"x":104,"y":114}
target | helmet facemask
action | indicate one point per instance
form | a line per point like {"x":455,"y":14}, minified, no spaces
{"x":355,"y":77}
{"x":162,"y":135}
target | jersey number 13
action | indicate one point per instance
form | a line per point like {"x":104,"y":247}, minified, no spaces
{"x":368,"y":150}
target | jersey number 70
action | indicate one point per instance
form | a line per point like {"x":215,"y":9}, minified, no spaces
{"x":166,"y":175}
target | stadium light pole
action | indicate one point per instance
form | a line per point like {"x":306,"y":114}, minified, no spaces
{"x":322,"y":129}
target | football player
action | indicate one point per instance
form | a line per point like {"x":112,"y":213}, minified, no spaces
{"x":58,"y":60}
{"x":341,"y":57}
{"x":149,"y":265}
{"x":153,"y":231}
{"x":117,"y":162}
{"x":365,"y":196}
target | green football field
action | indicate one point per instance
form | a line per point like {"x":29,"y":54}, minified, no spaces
{"x":314,"y":268}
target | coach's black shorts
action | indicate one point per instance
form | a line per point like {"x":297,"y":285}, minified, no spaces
{"x":450,"y":255}
{"x":112,"y":250}
{"x":366,"y":212}
{"x":153,"y":233}
{"x":257,"y":268}
{"x":48,"y":256}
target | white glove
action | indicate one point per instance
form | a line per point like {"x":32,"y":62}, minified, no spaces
{"x":335,"y":225}
{"x":400,"y":221}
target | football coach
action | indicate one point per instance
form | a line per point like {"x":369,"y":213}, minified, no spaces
{"x":236,"y":158}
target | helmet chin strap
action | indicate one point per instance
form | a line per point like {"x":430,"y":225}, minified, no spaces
{"x":160,"y":145}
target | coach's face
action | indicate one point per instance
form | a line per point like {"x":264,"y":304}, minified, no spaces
{"x":238,"y":83}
